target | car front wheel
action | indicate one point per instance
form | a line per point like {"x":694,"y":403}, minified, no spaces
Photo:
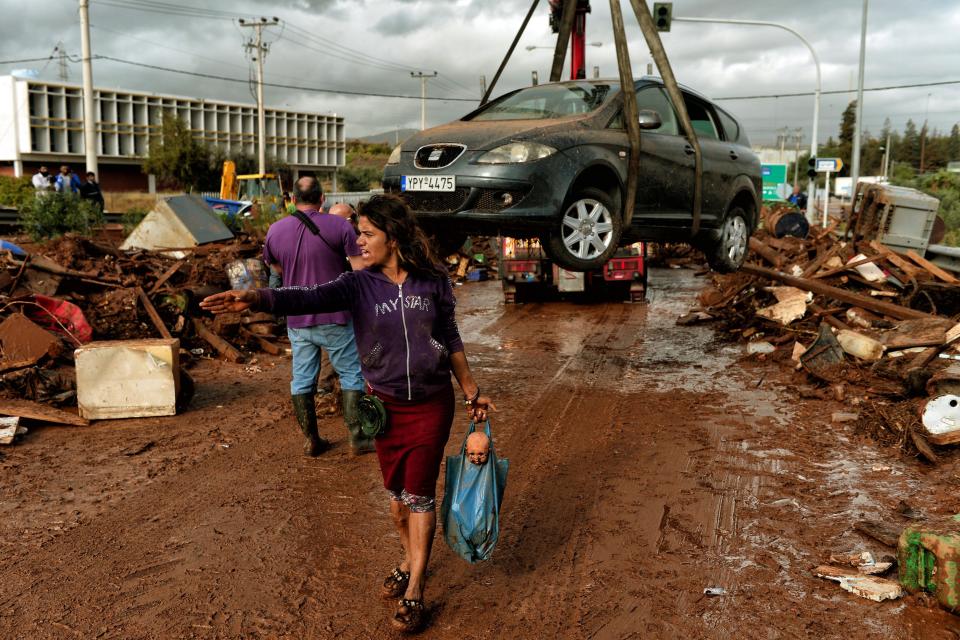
{"x":727,"y":253}
{"x":589,"y":231}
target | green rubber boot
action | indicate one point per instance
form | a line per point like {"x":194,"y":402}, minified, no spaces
{"x":306,"y":412}
{"x":360,"y":443}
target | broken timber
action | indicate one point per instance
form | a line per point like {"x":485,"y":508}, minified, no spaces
{"x":886,"y":308}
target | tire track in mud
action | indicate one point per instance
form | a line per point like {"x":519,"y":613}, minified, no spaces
{"x":557,"y":446}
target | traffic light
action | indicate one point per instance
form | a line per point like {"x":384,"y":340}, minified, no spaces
{"x":812,"y":171}
{"x":662,"y":14}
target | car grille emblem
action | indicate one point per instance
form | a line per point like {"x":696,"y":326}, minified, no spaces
{"x":437,"y":156}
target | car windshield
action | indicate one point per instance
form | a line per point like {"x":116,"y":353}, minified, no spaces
{"x":548,"y":101}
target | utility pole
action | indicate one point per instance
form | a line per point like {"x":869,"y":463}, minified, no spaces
{"x":483,"y":86}
{"x":886,"y":159}
{"x":63,"y":71}
{"x":89,"y":115}
{"x":782,"y":141}
{"x":858,"y":123}
{"x":259,"y":49}
{"x":423,"y":95}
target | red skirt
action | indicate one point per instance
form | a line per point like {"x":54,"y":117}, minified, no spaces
{"x":410,"y":450}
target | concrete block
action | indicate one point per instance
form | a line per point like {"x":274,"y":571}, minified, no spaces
{"x":128,"y":378}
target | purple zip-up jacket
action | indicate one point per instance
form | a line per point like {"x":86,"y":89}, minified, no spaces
{"x":405,"y":333}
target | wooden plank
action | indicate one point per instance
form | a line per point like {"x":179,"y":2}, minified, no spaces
{"x":878,"y":306}
{"x":162,"y":280}
{"x":154,"y":316}
{"x":265,"y":344}
{"x":849,"y":265}
{"x":904,"y":265}
{"x":43,"y":413}
{"x":827,"y":315}
{"x":932,"y":268}
{"x":224,"y":348}
{"x":818,"y":262}
{"x":765,"y":252}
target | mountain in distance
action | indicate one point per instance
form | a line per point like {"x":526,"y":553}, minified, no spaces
{"x":390,"y":137}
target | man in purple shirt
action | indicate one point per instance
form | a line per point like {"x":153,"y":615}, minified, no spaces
{"x":310,"y":248}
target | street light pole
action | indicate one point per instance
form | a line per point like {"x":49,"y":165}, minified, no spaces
{"x":858,"y":124}
{"x":816,"y":62}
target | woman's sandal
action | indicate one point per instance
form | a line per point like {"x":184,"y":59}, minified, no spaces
{"x":395,"y":584}
{"x":410,"y":615}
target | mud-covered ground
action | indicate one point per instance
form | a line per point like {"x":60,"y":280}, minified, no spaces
{"x":646,"y":464}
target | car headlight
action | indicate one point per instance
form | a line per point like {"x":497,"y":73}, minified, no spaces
{"x":516,"y":152}
{"x":394,"y":156}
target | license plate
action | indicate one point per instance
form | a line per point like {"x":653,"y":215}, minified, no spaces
{"x":428,"y":183}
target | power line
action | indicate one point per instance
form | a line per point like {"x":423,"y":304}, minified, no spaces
{"x":211,"y":76}
{"x":843,"y":91}
{"x":48,"y":58}
{"x":167,"y":9}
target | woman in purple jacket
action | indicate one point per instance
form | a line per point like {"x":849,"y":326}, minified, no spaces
{"x":402,"y":306}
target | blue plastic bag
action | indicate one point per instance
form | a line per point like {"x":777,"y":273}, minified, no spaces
{"x":470,"y":511}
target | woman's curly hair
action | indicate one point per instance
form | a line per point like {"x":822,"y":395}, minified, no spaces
{"x":393,"y":216}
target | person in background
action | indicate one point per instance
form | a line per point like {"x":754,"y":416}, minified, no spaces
{"x":310,"y":248}
{"x":90,"y":190}
{"x":67,"y":181}
{"x":402,"y":305}
{"x":41,"y":180}
{"x":798,"y":198}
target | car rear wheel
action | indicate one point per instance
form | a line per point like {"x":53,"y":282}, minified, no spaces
{"x":728,"y":252}
{"x":589,"y":231}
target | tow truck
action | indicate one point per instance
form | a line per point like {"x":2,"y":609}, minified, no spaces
{"x":525,"y":269}
{"x":524,"y":265}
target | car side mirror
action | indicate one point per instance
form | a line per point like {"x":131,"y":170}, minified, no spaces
{"x":649,"y":119}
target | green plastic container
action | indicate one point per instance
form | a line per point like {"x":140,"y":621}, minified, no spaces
{"x":929,"y":559}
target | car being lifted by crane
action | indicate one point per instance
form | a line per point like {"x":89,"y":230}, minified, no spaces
{"x":564,"y":162}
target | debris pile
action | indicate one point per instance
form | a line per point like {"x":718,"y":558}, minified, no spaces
{"x":78,"y":294}
{"x":478,"y":259}
{"x":858,"y":319}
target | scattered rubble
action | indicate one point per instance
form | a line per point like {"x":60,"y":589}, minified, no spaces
{"x":860,"y":320}
{"x":85,"y":294}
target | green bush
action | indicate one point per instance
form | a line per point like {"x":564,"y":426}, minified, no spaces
{"x":14,"y":192}
{"x":358,"y":178}
{"x":130,"y":219}
{"x":55,"y":214}
{"x":946,"y":187}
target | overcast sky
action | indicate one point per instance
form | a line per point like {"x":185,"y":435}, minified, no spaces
{"x":371,"y":46}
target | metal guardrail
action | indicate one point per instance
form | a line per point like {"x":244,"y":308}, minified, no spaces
{"x":944,"y":257}
{"x":352,"y":198}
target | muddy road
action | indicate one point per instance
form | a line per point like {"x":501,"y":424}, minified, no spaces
{"x":647,"y":464}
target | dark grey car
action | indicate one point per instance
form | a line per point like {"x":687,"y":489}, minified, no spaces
{"x":550,"y":161}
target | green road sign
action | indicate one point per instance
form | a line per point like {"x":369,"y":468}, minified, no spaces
{"x":773,"y":175}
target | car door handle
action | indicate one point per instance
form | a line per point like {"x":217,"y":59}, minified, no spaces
{"x":733,"y":155}
{"x":688,"y":149}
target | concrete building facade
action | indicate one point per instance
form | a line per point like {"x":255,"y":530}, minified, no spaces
{"x":42,"y":123}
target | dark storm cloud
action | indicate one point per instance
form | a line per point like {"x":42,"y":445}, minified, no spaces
{"x":464,"y":39}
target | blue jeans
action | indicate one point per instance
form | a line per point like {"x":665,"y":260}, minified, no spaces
{"x":341,"y":346}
